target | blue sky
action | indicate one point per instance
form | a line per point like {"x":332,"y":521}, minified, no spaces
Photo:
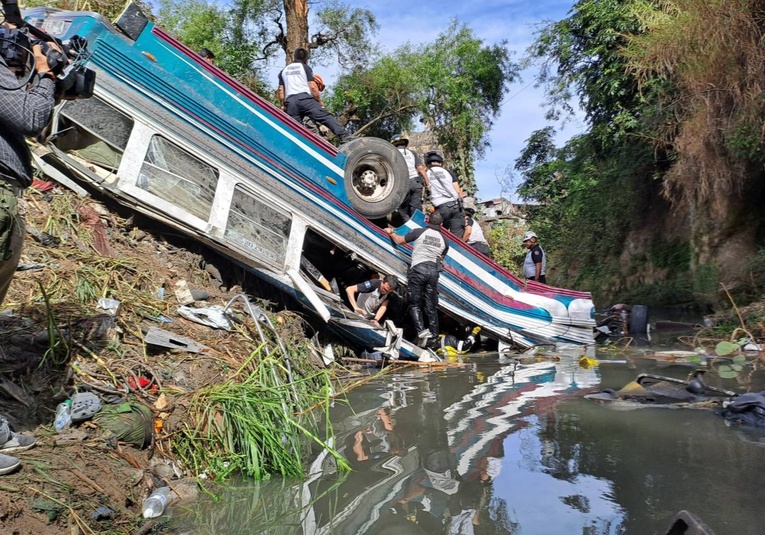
{"x":420,"y":21}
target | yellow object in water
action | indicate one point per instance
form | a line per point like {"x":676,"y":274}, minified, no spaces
{"x":587,"y":363}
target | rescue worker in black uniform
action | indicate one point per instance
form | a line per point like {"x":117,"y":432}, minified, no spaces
{"x":429,"y":249}
{"x":300,"y":96}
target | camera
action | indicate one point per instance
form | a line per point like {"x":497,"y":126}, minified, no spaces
{"x":73,"y":80}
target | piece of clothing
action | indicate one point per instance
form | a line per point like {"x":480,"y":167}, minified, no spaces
{"x":23,"y":112}
{"x":11,"y":236}
{"x":423,"y":297}
{"x":374,"y":299}
{"x":295,"y":78}
{"x":304,"y":105}
{"x":413,"y":161}
{"x":477,"y":240}
{"x":454,"y":217}
{"x":442,"y":186}
{"x":536,"y":255}
{"x":446,"y":199}
{"x":428,"y":245}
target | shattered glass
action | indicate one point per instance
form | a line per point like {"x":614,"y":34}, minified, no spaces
{"x":258,"y":227}
{"x":176,"y":176}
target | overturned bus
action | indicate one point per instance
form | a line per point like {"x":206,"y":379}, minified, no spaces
{"x":172,"y":136}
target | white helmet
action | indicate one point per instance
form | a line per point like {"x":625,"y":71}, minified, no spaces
{"x":529,"y":235}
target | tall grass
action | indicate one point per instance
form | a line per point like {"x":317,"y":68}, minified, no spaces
{"x":254,"y":421}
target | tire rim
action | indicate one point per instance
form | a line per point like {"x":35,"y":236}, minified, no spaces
{"x":372,"y":179}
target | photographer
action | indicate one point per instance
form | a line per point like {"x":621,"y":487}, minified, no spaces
{"x":24,"y":111}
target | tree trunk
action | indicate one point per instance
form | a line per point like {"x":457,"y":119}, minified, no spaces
{"x":296,"y":12}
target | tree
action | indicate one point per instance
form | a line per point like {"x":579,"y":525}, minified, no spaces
{"x":343,"y":33}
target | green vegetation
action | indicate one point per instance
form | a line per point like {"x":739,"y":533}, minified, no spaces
{"x":255,"y":422}
{"x":669,"y":169}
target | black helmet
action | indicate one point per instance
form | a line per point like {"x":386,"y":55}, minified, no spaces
{"x":399,"y":139}
{"x":433,"y":156}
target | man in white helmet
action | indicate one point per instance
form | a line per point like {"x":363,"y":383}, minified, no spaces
{"x":535,"y":264}
{"x":418,"y":177}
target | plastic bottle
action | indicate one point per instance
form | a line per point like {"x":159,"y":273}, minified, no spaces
{"x":63,"y":415}
{"x":155,"y":504}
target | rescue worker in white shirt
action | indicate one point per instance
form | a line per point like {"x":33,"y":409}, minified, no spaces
{"x":418,"y":177}
{"x":445,"y":194}
{"x":300,"y":97}
{"x":473,"y":235}
{"x":428,"y":250}
{"x":535,"y":263}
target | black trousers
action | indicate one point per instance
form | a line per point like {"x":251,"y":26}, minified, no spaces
{"x":454,"y":217}
{"x":481,"y":247}
{"x":423,"y":296}
{"x":304,"y":105}
{"x":412,"y":201}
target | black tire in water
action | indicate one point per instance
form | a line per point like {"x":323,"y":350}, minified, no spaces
{"x":639,"y":319}
{"x":376,"y":176}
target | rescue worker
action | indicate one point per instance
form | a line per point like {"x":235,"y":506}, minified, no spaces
{"x":429,"y":249}
{"x":418,"y":177}
{"x":535,"y":263}
{"x":377,"y":291}
{"x":451,"y":346}
{"x":208,"y":55}
{"x":445,"y":194}
{"x":473,"y":234}
{"x":300,"y":96}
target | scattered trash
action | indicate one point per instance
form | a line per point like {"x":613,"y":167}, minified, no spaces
{"x":160,"y":293}
{"x":155,"y":504}
{"x":29,"y":267}
{"x":128,"y":422}
{"x":111,"y":306}
{"x":159,"y":337}
{"x":104,"y":513}
{"x":45,"y":239}
{"x":84,"y":405}
{"x":63,"y":416}
{"x":141,"y":383}
{"x":200,"y":295}
{"x":753,"y":347}
{"x":213,"y":316}
{"x":182,"y":293}
{"x":162,"y":319}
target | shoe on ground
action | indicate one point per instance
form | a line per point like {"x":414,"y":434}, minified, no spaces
{"x":8,"y":464}
{"x":18,"y":443}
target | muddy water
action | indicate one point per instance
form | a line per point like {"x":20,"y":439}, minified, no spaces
{"x":501,"y":447}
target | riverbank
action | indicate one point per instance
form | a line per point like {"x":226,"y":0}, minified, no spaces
{"x":97,"y":307}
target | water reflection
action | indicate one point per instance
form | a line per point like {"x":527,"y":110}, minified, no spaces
{"x":506,"y":448}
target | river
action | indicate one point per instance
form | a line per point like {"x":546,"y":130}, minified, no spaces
{"x":501,"y":447}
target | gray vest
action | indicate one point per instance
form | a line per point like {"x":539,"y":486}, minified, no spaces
{"x":529,"y":268}
{"x":428,"y":247}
